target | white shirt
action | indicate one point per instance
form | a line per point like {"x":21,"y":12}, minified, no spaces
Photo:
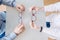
{"x":52,"y":7}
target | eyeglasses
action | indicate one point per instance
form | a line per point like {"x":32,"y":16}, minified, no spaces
{"x":20,"y":20}
{"x":34,"y":18}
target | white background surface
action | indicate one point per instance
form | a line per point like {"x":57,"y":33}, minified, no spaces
{"x":29,"y":34}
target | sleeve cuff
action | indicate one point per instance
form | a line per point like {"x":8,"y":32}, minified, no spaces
{"x":11,"y":36}
{"x":14,"y":3}
{"x":52,"y":7}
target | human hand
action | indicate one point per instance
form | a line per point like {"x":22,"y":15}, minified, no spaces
{"x":2,"y":8}
{"x":19,"y":29}
{"x":20,"y":8}
{"x":37,"y":8}
{"x":34,"y":8}
{"x":34,"y":26}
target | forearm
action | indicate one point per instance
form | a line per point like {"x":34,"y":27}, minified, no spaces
{"x":11,"y":3}
{"x":52,"y":8}
{"x":11,"y":36}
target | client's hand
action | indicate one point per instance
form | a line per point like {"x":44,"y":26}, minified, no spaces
{"x":19,"y":29}
{"x":20,"y":8}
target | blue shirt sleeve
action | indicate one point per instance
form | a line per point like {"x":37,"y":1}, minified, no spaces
{"x":9,"y":2}
{"x":11,"y":36}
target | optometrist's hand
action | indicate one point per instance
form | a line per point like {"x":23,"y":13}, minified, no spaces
{"x":20,"y":8}
{"x":34,"y":26}
{"x":36,"y":8}
{"x":19,"y":29}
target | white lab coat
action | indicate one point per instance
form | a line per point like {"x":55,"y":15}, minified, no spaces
{"x":52,"y":7}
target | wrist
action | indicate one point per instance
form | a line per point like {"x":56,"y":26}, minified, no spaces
{"x":16,"y":33}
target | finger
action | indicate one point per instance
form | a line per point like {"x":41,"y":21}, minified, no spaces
{"x":21,"y":7}
{"x":22,"y":29}
{"x":31,"y":8}
{"x":18,"y":8}
{"x":32,"y":25}
{"x":34,"y":8}
{"x":21,"y":26}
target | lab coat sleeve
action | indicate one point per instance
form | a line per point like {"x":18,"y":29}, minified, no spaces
{"x":11,"y":36}
{"x":52,"y":7}
{"x":11,"y":3}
